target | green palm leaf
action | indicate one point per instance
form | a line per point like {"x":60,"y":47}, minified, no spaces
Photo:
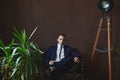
{"x":24,"y":58}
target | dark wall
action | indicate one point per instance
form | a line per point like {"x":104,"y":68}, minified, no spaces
{"x":79,"y":19}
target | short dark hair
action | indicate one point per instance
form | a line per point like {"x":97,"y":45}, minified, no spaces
{"x":62,"y":34}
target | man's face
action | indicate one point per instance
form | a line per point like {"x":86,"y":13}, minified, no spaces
{"x":60,"y":39}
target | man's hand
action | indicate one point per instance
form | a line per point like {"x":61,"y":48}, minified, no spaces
{"x":51,"y":62}
{"x":76,"y":59}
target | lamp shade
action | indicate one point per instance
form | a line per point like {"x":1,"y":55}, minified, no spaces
{"x":105,"y":5}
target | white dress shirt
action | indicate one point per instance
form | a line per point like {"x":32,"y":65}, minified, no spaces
{"x":58,"y":56}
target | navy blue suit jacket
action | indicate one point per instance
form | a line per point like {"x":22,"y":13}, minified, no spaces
{"x":69,"y":53}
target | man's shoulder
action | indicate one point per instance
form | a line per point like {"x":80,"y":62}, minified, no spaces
{"x":52,"y":46}
{"x":67,"y":46}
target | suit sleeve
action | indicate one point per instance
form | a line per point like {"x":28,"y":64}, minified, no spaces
{"x":48,"y":56}
{"x":75,"y":53}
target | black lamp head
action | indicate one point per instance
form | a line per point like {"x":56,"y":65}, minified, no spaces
{"x":105,"y":5}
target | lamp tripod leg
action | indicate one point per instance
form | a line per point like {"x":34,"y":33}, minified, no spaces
{"x":109,"y":50}
{"x":96,"y":40}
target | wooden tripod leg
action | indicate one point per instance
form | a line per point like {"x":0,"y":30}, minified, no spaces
{"x":109,"y":49}
{"x":96,"y":40}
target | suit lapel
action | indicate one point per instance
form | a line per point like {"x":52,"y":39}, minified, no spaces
{"x":55,"y":50}
{"x":65,"y":50}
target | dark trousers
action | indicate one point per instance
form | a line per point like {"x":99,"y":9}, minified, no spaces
{"x":60,"y":69}
{"x":58,"y":74}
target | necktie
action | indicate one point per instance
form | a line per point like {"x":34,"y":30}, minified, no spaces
{"x":60,"y":51}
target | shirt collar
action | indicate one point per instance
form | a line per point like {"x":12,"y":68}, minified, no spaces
{"x":59,"y":45}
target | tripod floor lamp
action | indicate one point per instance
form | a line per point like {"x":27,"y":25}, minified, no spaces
{"x":105,"y":6}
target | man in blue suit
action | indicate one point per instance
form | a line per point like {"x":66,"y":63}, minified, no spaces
{"x":60,"y":57}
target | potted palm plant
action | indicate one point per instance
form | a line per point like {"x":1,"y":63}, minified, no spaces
{"x":6,"y":59}
{"x":22,"y":59}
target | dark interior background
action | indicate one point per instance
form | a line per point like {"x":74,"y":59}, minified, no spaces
{"x":78,"y":19}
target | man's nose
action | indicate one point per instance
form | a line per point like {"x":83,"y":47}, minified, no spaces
{"x":61,"y":40}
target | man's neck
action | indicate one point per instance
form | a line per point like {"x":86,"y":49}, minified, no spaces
{"x":59,"y":44}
